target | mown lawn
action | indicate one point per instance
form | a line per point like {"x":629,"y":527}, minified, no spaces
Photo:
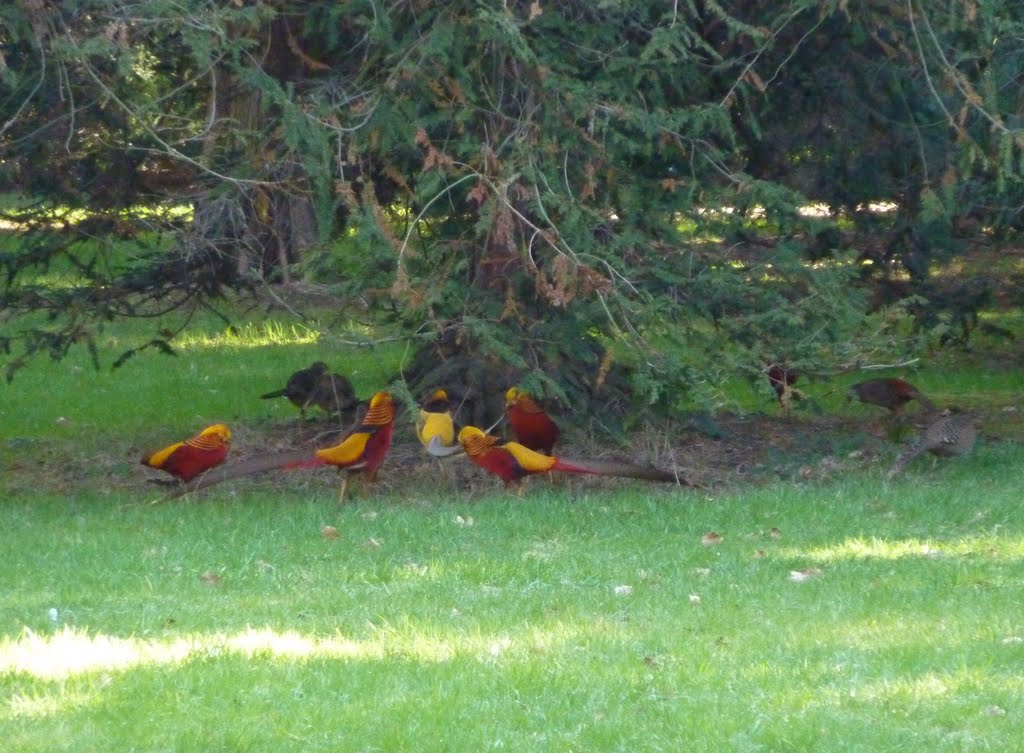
{"x":872,"y":617}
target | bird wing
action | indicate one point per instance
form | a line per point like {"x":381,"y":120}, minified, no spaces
{"x":529,"y":460}
{"x":349,"y":452}
{"x":332,"y":392}
{"x":531,"y":425}
{"x":158,"y":458}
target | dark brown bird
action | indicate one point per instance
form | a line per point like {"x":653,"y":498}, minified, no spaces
{"x":892,"y":394}
{"x":315,"y":385}
{"x":782,"y":381}
{"x":333,"y":394}
{"x":300,"y":386}
{"x":945,"y":435}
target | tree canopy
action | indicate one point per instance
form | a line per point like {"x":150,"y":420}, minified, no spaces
{"x":599,"y":198}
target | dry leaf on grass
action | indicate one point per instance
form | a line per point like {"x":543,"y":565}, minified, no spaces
{"x":329,"y":532}
{"x":711,"y":538}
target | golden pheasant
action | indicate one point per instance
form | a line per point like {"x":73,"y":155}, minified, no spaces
{"x":892,"y":394}
{"x":533,"y":428}
{"x":365,"y":448}
{"x":512,"y":461}
{"x":186,"y":460}
{"x":435,"y":426}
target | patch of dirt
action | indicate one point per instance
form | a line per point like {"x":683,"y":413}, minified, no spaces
{"x":725,"y":454}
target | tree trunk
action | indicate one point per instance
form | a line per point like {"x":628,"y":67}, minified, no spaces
{"x":267,"y":224}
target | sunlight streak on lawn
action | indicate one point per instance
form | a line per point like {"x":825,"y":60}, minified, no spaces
{"x":251,"y":336}
{"x":259,"y":334}
{"x":873,"y":548}
{"x":73,"y":651}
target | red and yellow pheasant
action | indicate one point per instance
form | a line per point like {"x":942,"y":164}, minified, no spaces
{"x":532,"y":427}
{"x":512,"y":461}
{"x":186,"y":460}
{"x":365,"y":448}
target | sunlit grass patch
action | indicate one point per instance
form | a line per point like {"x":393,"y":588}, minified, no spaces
{"x":69,"y":651}
{"x":861,"y":548}
{"x":275,"y":332}
{"x":251,"y":335}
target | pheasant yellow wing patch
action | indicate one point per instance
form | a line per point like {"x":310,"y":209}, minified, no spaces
{"x":532,"y":462}
{"x":158,"y":458}
{"x":348,"y":452}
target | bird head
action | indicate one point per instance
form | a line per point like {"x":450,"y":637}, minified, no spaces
{"x":437,"y":402}
{"x":381,"y":410}
{"x":474,"y":440}
{"x":380,"y":399}
{"x":514,"y":395}
{"x":220,"y":431}
{"x":469,"y":434}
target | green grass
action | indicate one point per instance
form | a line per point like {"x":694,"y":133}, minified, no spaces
{"x":216,"y":376}
{"x":852,"y":614}
{"x":561,"y":621}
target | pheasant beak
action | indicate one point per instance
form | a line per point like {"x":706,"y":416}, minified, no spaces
{"x":440,"y":450}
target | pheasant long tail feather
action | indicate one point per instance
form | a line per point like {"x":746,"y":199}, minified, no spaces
{"x":613,"y":468}
{"x":905,"y":459}
{"x":252,"y":466}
